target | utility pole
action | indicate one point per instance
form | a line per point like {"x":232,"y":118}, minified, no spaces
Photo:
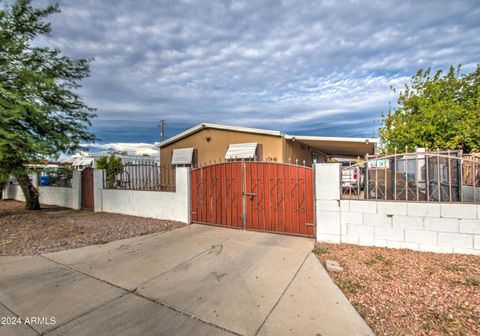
{"x":162,"y":130}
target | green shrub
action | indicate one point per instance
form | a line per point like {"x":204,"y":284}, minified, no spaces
{"x":113,"y":166}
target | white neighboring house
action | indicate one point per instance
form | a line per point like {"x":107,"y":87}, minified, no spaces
{"x":83,"y":160}
{"x":139,"y":172}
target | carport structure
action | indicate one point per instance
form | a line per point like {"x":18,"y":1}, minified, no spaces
{"x":337,"y":147}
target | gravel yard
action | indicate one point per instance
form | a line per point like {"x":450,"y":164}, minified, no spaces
{"x":404,"y":292}
{"x":53,"y":229}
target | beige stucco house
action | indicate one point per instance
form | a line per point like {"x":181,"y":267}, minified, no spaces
{"x":207,"y":143}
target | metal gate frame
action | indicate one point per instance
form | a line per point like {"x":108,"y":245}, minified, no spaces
{"x":220,"y":191}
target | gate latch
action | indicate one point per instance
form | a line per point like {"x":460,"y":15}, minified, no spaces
{"x":249,"y":194}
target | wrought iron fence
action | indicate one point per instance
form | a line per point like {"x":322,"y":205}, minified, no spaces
{"x":140,"y":175}
{"x":441,"y":176}
{"x":471,"y":172}
{"x":293,"y":162}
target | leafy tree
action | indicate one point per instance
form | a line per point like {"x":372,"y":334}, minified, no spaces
{"x":40,"y":113}
{"x":112,"y":165}
{"x":436,"y":111}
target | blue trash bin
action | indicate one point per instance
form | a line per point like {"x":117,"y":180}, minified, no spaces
{"x":45,"y":180}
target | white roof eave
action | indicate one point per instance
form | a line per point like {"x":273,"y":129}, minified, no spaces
{"x":216,"y":126}
{"x":332,"y":139}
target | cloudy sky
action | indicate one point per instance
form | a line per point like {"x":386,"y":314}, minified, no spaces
{"x":303,"y":67}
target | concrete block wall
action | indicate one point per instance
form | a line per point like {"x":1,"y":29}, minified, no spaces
{"x":59,"y":196}
{"x":98,"y":190}
{"x":13,"y":192}
{"x":327,"y":202}
{"x":154,"y":204}
{"x":435,"y":227}
{"x":77,"y":190}
{"x":419,"y":226}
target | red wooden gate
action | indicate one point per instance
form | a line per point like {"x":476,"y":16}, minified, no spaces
{"x":260,"y":196}
{"x":87,"y":189}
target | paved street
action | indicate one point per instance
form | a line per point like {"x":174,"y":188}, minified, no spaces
{"x":198,"y":280}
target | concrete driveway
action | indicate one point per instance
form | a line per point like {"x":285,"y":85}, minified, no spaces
{"x":198,"y":280}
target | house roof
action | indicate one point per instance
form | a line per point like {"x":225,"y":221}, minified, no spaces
{"x":202,"y":126}
{"x":342,"y":146}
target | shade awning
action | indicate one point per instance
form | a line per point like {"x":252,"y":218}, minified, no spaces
{"x":241,"y":151}
{"x":338,"y":147}
{"x":182,"y":156}
{"x":83,"y":161}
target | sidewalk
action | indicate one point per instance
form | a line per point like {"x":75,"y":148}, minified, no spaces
{"x":196,"y":280}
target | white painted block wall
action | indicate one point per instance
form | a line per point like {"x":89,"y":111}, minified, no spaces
{"x":13,"y":192}
{"x":153,"y":204}
{"x":59,"y":196}
{"x":327,"y":199}
{"x":434,"y":227}
{"x":48,"y":195}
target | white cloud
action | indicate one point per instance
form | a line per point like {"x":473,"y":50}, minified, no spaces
{"x":288,"y":65}
{"x":138,"y":149}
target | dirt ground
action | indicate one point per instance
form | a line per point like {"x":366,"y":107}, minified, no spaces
{"x":404,"y":292}
{"x":53,"y":229}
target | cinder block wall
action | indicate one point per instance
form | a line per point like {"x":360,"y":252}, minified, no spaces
{"x":60,"y":196}
{"x":154,"y":204}
{"x":419,"y":226}
{"x":13,"y":192}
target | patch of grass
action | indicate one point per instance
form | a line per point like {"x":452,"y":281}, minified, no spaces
{"x":349,"y":286}
{"x":455,"y":268}
{"x":320,"y":249}
{"x":362,"y":310}
{"x":452,"y":282}
{"x":381,"y":265}
{"x":379,"y":259}
{"x":375,"y":259}
{"x":444,"y":323}
{"x":388,"y":263}
{"x":468,"y":281}
{"x":370,"y":262}
{"x":473,"y":281}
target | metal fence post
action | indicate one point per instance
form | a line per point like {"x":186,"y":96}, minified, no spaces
{"x":244,"y":197}
{"x":367,"y":196}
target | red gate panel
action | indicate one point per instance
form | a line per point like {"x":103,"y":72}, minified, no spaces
{"x":87,"y":189}
{"x":260,"y":196}
{"x":279,"y":198}
{"x":217,"y":194}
